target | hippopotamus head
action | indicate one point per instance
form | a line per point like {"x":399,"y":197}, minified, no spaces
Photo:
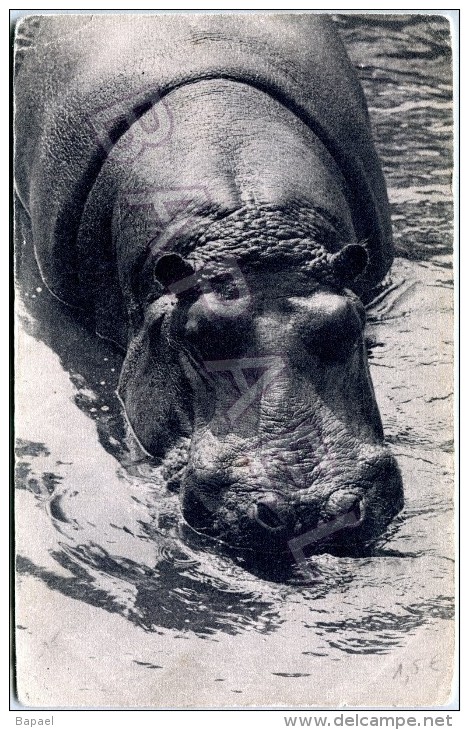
{"x":264,"y":366}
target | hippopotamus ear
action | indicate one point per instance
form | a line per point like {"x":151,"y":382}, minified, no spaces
{"x":350,"y":262}
{"x":174,"y":273}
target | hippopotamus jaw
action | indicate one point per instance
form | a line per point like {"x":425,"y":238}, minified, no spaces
{"x":266,"y":514}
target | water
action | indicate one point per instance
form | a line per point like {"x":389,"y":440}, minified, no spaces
{"x":129,"y":611}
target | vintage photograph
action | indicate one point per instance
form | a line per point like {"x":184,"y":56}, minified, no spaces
{"x":234,"y":313}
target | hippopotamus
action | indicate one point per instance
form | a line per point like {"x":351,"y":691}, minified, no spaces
{"x":207,"y":189}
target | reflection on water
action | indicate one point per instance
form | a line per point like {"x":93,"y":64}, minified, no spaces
{"x":404,"y":65}
{"x":109,"y":532}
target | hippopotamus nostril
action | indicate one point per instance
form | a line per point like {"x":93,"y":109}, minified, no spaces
{"x":270,"y":512}
{"x":346,"y":502}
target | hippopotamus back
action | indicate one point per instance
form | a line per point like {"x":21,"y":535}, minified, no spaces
{"x":82,"y":81}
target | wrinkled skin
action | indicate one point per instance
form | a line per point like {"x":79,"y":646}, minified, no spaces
{"x":304,"y":450}
{"x":267,"y":138}
{"x":303,"y":447}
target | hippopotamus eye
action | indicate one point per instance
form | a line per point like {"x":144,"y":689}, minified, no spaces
{"x":224,"y":287}
{"x":331,"y":328}
{"x":218,"y":332}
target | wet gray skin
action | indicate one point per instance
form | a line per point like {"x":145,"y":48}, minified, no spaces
{"x":258,"y":356}
{"x":267,"y":168}
{"x":361,"y":613}
{"x":293,"y":453}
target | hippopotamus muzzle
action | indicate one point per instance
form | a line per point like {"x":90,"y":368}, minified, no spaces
{"x":348,"y":519}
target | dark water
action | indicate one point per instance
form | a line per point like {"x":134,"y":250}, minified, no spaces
{"x":102,"y":535}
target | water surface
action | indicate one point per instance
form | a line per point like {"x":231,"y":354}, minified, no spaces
{"x":131,"y":610}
